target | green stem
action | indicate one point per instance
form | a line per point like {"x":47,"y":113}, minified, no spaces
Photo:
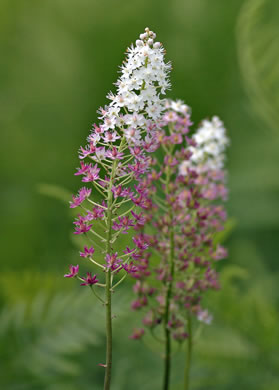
{"x":108,"y":333}
{"x":189,"y":354}
{"x":108,"y":286}
{"x":108,"y":273}
{"x":167,"y":357}
{"x":119,"y":282}
{"x":97,"y":295}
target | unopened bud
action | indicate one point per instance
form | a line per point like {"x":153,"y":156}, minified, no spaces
{"x":150,"y":41}
{"x":146,"y":30}
{"x":157,"y":45}
{"x":139,"y":42}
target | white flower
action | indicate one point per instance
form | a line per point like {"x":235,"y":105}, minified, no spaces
{"x":212,"y":148}
{"x":143,"y":78}
{"x":183,"y":167}
{"x":197,"y":154}
{"x":133,"y":135}
{"x":110,"y":137}
{"x":211,"y":141}
{"x":94,"y":138}
{"x":100,"y":154}
{"x":205,"y":317}
{"x":203,"y":135}
{"x":179,"y":106}
{"x":134,"y":102}
{"x":154,"y":111}
{"x":109,"y":122}
{"x":135,"y":120}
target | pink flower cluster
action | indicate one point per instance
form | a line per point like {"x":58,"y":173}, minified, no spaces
{"x":185,"y":212}
{"x":116,"y":157}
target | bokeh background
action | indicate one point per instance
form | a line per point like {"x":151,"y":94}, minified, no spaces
{"x":59,"y":59}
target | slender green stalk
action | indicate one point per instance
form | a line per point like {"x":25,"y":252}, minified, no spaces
{"x":108,"y":333}
{"x":189,"y":354}
{"x":108,"y":274}
{"x":108,"y":287}
{"x":97,"y":295}
{"x":167,"y":357}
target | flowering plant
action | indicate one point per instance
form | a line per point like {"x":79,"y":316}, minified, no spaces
{"x":171,"y":201}
{"x":184,"y":187}
{"x":117,"y":150}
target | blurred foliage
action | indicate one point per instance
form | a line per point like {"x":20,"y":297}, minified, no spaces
{"x":59,"y":60}
{"x":62,"y":334}
{"x":258,"y":41}
{"x":257,"y":32}
{"x":245,"y":335}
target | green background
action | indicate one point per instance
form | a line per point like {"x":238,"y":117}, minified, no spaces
{"x":59,"y":59}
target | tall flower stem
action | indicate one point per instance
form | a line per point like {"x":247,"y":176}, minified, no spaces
{"x":189,"y":354}
{"x":108,"y":333}
{"x":117,"y":148}
{"x":108,"y":284}
{"x":167,"y":357}
{"x":110,"y":210}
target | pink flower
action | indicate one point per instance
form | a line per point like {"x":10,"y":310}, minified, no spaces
{"x":114,"y":154}
{"x":83,"y":194}
{"x":112,"y":261}
{"x":176,"y":139}
{"x":139,"y":219}
{"x":180,"y":336}
{"x":73,"y":271}
{"x":92,"y":173}
{"x":89,"y":280}
{"x":81,"y":225}
{"x":220,"y":253}
{"x":140,"y":242}
{"x":87,"y":252}
{"x":170,"y":116}
{"x":139,"y":303}
{"x":89,"y":149}
{"x":124,"y":223}
{"x":83,"y":169}
{"x":138,"y":168}
{"x":136,"y":152}
{"x":96,"y":213}
{"x":130,"y":268}
{"x":110,"y":137}
{"x":149,"y":319}
{"x":137,"y":334}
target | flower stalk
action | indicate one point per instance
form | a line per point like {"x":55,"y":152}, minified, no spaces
{"x":188,"y":358}
{"x":185,"y":187}
{"x":117,"y":150}
{"x":168,"y":349}
{"x":108,"y":365}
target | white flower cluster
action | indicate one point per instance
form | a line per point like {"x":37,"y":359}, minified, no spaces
{"x":211,"y":142}
{"x":178,"y":106}
{"x":144,"y":77}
